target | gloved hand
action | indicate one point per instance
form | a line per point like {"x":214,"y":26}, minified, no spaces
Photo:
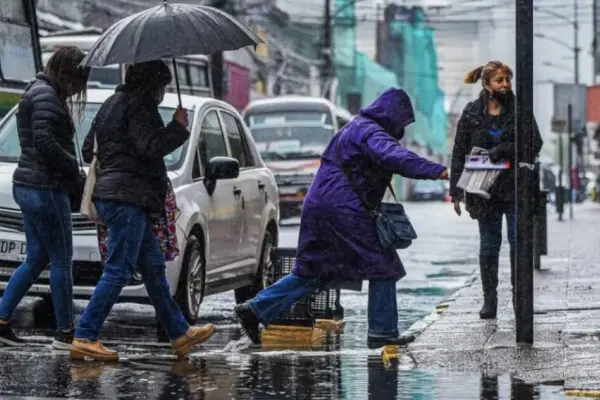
{"x":494,"y":154}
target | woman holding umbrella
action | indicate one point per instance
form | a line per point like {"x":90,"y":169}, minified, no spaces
{"x":129,"y":195}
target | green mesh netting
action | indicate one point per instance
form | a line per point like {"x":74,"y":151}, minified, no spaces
{"x":372,"y":78}
{"x":416,"y":68}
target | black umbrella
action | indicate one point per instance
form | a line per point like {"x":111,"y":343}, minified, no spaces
{"x":169,"y":30}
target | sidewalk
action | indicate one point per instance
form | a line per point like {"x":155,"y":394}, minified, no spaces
{"x":566,"y":345}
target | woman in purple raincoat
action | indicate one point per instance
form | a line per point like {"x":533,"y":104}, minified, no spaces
{"x":338,"y":238}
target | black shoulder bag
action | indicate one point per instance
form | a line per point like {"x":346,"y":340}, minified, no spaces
{"x":394,"y":229}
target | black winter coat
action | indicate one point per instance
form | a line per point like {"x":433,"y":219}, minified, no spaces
{"x":46,"y":133}
{"x":472,"y":131}
{"x":132,"y":141}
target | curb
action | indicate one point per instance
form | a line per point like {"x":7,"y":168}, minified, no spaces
{"x":421,"y":325}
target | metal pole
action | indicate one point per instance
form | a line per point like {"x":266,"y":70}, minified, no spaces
{"x":559,"y":195}
{"x":30,"y":7}
{"x":327,"y":49}
{"x":525,"y":194}
{"x":576,"y":39}
{"x":594,"y":42}
{"x":217,"y":65}
{"x":570,"y":156}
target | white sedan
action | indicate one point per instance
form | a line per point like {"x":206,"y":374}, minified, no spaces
{"x":227,"y":224}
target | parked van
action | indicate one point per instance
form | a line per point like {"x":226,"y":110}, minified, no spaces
{"x":291,"y":133}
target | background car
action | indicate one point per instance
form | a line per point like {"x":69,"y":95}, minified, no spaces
{"x":228,"y":210}
{"x":428,"y":190}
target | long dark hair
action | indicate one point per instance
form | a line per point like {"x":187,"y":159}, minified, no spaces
{"x":68,"y":78}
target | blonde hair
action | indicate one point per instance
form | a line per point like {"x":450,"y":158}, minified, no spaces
{"x":485,"y":72}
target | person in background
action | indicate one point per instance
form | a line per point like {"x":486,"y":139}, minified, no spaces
{"x":46,"y":173}
{"x":488,"y":122}
{"x":130,"y":196}
{"x":338,"y":237}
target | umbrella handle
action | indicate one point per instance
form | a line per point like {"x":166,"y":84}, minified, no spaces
{"x":177,"y":81}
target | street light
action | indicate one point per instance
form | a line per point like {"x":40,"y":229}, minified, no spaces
{"x":557,"y":66}
{"x":555,"y":40}
{"x":575,"y":48}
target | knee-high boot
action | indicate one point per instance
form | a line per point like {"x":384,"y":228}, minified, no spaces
{"x":488,"y":267}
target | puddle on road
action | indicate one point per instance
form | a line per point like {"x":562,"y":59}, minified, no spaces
{"x":342,"y":369}
{"x":286,"y":376}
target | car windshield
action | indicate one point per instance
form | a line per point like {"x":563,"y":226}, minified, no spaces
{"x":288,"y":142}
{"x":280,"y":117}
{"x":10,"y":148}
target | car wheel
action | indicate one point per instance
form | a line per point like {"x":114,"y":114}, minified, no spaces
{"x":190,"y":290}
{"x":264,"y":272}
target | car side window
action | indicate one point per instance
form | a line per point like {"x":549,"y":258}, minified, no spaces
{"x":237,"y":140}
{"x":212,"y":142}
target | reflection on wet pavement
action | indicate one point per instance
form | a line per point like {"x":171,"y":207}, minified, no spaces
{"x":277,"y":378}
{"x":342,"y":368}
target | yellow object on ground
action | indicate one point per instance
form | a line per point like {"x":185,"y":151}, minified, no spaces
{"x":593,"y":394}
{"x":388,"y":353}
{"x":330,"y":325}
{"x":281,"y":336}
{"x":440,"y":308}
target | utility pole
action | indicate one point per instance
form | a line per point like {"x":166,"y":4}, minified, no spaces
{"x":30,"y":8}
{"x":326,"y":50}
{"x":525,"y":192}
{"x":216,"y":60}
{"x":574,"y":129}
{"x":576,"y":48}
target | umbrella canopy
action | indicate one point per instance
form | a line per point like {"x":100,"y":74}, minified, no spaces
{"x":169,"y":30}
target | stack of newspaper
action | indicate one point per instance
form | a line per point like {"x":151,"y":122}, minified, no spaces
{"x":480,"y":173}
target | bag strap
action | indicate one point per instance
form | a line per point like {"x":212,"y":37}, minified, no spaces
{"x":79,"y":156}
{"x":351,"y":180}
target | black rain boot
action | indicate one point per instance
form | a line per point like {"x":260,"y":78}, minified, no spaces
{"x":513,"y":279}
{"x":488,"y":267}
{"x":376,"y":342}
{"x":250,"y":322}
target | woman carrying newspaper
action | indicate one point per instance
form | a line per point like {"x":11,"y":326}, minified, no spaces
{"x":487,"y":127}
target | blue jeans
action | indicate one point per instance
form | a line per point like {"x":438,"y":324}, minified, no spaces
{"x":49,"y":235}
{"x":277,"y":298}
{"x":490,"y":230}
{"x":131,"y":245}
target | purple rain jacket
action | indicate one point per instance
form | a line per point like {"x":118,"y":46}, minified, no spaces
{"x":338,"y":240}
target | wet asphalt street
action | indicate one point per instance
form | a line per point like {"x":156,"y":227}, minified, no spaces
{"x":438,"y":263}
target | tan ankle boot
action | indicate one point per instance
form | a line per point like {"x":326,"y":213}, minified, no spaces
{"x":195,"y":335}
{"x":82,"y":348}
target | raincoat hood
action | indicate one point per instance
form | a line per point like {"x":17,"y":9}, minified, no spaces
{"x":392,"y":110}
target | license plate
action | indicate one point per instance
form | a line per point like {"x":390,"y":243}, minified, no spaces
{"x":13,"y":250}
{"x":288,"y":190}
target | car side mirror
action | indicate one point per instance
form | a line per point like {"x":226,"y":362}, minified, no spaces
{"x":220,"y":168}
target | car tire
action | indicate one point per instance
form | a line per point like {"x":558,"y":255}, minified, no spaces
{"x":189,"y":296}
{"x":261,"y":279}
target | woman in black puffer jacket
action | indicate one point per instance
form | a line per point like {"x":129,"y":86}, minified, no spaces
{"x":488,"y":122}
{"x":43,"y":181}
